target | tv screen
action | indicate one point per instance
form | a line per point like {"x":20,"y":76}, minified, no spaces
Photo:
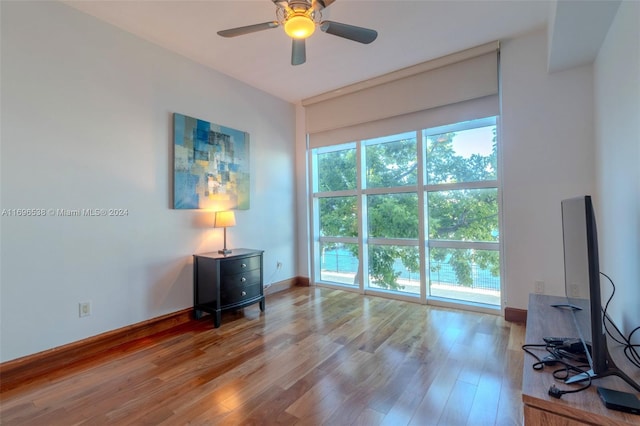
{"x":582,"y":287}
{"x":582,"y":276}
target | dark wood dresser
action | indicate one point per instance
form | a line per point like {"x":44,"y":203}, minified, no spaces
{"x":231,"y":281}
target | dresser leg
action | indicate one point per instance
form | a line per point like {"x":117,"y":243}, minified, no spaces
{"x":216,"y":318}
{"x":262,"y":305}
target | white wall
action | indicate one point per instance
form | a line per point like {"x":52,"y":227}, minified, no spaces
{"x":86,"y":123}
{"x":548,"y":155}
{"x":617,"y":125}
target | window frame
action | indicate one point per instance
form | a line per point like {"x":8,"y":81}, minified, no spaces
{"x":422,"y":189}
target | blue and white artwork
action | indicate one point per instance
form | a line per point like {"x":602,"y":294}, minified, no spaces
{"x":211,"y":165}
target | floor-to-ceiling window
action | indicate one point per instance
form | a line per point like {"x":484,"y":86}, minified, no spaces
{"x":462,"y":205}
{"x":391,"y":213}
{"x":336,"y":218}
{"x":413,"y":214}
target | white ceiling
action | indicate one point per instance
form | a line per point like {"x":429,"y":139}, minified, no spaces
{"x":409,"y":32}
{"x":586,"y":21}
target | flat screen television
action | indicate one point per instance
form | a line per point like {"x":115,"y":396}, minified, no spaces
{"x":582,"y":287}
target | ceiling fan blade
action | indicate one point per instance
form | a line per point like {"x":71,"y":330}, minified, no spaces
{"x":234,"y":32}
{"x":321,"y":4}
{"x":359,"y":34}
{"x":298,"y":52}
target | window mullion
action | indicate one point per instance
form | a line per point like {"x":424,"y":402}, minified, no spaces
{"x":462,"y":185}
{"x":422,"y":218}
{"x":342,"y":193}
{"x":363,"y":264}
{"x":390,"y":190}
{"x":476,"y":245}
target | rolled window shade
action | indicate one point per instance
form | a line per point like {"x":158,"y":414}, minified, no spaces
{"x":436,"y":86}
{"x":487,"y":106}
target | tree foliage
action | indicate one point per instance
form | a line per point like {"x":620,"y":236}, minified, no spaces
{"x":455,"y":215}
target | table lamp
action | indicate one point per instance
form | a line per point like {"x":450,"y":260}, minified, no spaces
{"x":224,"y":220}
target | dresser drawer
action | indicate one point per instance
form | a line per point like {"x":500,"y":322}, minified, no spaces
{"x":232,"y":295}
{"x":236,"y":266}
{"x":244,"y":278}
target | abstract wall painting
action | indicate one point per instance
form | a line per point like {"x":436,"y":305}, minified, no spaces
{"x":211,"y":165}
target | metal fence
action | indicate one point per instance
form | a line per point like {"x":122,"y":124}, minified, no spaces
{"x":443,"y":273}
{"x":341,"y":261}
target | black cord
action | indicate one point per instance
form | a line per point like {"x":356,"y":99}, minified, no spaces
{"x":629,"y":348}
{"x":633,"y":331}
{"x":557,"y":393}
{"x":539,"y":365}
{"x":556,"y":356}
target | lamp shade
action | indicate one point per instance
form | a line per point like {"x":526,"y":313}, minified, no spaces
{"x":225,"y":219}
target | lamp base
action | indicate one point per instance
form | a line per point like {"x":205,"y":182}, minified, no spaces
{"x":224,"y":251}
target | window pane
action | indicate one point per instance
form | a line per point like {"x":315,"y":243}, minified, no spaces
{"x":463,"y":215}
{"x":338,"y":217}
{"x":361,"y":187}
{"x":336,"y":170}
{"x":464,"y":274}
{"x":339,"y":263}
{"x":464,"y":156}
{"x":391,"y":161}
{"x":394,"y":268}
{"x":393,"y":215}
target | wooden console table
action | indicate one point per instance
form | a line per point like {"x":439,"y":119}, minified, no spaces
{"x":575,"y":408}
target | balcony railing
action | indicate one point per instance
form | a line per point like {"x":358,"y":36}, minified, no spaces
{"x":341,"y":261}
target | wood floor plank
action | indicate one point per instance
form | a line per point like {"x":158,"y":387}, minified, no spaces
{"x":484,"y":408}
{"x":369,"y":417}
{"x":315,"y":357}
{"x":320,"y":402}
{"x":437,"y":395}
{"x":456,"y":410}
{"x":405,"y":407}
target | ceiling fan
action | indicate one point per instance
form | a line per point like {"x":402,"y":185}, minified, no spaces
{"x":299,"y":19}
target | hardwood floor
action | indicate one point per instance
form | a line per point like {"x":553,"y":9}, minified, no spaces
{"x":315,"y":357}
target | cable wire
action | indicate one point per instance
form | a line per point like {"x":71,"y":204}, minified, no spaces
{"x":629,"y":348}
{"x":556,"y":356}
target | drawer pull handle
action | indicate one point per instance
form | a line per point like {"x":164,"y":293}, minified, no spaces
{"x":244,"y":265}
{"x":243,"y":279}
{"x":244,"y":293}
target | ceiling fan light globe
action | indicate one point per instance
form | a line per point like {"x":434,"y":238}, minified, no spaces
{"x":299,"y":26}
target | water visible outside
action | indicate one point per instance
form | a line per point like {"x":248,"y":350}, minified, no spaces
{"x":340,"y":266}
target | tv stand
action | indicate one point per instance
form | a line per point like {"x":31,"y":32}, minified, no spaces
{"x":612,"y":371}
{"x":575,"y":408}
{"x":566,"y":306}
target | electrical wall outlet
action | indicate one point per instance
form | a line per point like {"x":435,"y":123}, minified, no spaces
{"x":84,"y":309}
{"x":279,"y":265}
{"x":539,"y":287}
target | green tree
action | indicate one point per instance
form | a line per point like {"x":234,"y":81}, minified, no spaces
{"x":338,"y":215}
{"x":392,"y":164}
{"x":460,"y":215}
